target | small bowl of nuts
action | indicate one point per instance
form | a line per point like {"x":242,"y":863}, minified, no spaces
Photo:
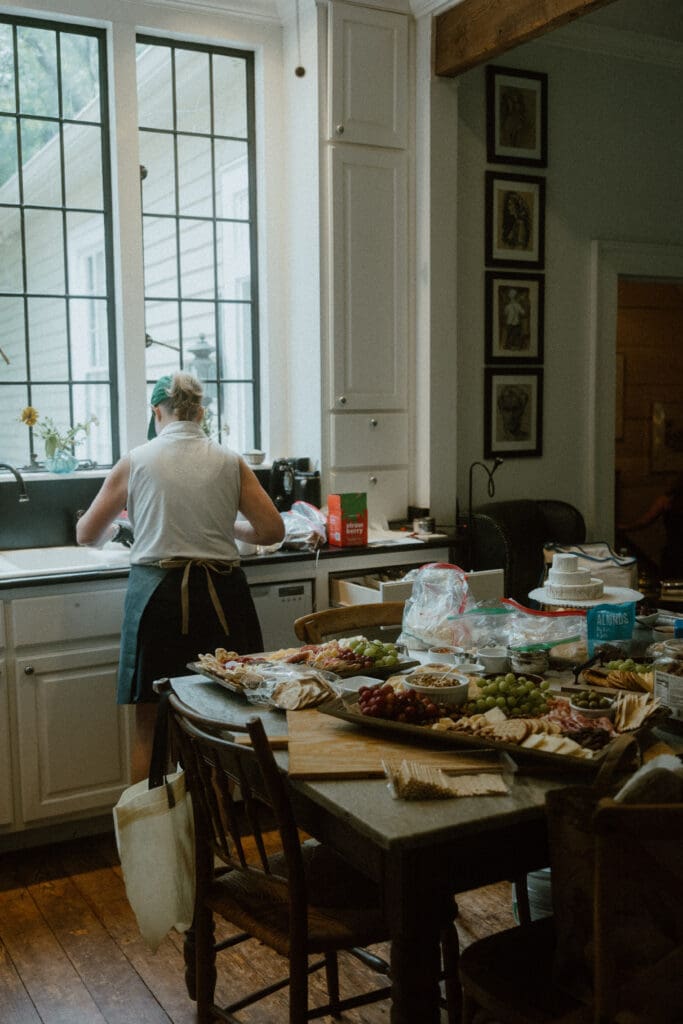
{"x":444,"y":686}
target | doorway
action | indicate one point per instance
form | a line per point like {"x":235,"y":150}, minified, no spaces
{"x":648,"y":408}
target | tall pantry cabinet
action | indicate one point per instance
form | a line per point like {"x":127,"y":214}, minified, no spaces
{"x":365,"y":198}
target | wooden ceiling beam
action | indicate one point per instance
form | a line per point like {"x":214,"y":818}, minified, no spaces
{"x":476,"y":31}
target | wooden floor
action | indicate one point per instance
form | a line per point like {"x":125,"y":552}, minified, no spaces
{"x":70,"y":951}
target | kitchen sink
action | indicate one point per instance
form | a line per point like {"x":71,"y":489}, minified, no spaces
{"x":49,"y":561}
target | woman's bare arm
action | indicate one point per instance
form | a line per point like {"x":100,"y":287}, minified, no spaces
{"x":93,"y":528}
{"x":265,"y":525}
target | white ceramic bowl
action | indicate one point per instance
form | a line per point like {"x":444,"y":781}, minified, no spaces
{"x":254,"y":457}
{"x":445,"y":654}
{"x":494,"y":659}
{"x":451,"y":695}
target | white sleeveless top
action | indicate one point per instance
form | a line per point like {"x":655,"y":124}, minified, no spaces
{"x":183,"y":496}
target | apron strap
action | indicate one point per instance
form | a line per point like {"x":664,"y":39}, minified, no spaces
{"x":209,"y":566}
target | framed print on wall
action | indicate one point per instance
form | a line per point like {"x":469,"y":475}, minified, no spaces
{"x":515,"y":220}
{"x":667,"y":437}
{"x":514,"y":317}
{"x":516,"y":117}
{"x":513,"y":411}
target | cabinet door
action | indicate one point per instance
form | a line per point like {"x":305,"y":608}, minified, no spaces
{"x":368,"y":293}
{"x":368,"y":76}
{"x":6,"y":814}
{"x":387,"y":490}
{"x":73,"y":738}
{"x":369,"y":439}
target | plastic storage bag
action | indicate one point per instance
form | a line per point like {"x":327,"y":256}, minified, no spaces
{"x":439,"y":593}
{"x":305,"y":527}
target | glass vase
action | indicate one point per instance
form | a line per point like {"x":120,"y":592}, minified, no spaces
{"x":61,"y":462}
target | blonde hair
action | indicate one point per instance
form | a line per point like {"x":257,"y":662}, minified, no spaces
{"x":185,"y":396}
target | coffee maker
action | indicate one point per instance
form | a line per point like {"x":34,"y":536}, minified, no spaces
{"x":281,"y":484}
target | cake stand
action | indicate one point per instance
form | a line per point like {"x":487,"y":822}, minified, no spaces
{"x":612,"y":595}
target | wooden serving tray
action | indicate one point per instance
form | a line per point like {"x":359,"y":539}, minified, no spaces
{"x":346,"y":708}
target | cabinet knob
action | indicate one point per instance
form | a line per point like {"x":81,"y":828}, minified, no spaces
{"x":342,"y":399}
{"x":339,"y":129}
{"x":29,"y":670}
{"x":372,"y":479}
{"x":373,"y":422}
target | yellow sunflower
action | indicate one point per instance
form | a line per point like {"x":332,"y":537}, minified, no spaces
{"x":29,"y":416}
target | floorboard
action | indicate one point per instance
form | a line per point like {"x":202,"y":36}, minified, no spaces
{"x":71,"y":952}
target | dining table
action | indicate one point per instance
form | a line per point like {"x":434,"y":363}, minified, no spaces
{"x":421,"y":853}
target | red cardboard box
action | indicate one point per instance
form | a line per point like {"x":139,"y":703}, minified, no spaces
{"x":347,"y":519}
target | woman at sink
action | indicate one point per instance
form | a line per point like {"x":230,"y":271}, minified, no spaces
{"x":186,"y":592}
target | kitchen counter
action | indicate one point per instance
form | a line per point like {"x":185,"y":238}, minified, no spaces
{"x":278,"y":564}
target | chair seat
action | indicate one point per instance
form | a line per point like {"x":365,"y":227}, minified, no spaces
{"x":509,"y":974}
{"x":343,"y":906}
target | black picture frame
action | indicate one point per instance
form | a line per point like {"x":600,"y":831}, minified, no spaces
{"x":516,"y":116}
{"x":513,"y":412}
{"x":514,"y":220}
{"x":514,"y":318}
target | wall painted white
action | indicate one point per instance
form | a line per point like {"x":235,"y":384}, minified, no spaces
{"x":614,"y":172}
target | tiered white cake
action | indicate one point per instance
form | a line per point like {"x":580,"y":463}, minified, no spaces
{"x":567,"y":582}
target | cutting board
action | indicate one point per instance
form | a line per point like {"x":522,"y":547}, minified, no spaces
{"x":322,"y":747}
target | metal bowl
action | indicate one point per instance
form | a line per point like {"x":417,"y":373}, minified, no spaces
{"x":254,"y":457}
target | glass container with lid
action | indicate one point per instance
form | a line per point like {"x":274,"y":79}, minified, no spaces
{"x":668,"y":677}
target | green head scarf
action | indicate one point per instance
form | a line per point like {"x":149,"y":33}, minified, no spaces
{"x":161,"y":391}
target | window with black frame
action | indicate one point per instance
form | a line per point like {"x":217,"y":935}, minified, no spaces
{"x":57,"y":342}
{"x":197,"y":156}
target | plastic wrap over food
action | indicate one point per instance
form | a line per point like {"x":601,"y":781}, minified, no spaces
{"x":305,"y":527}
{"x":512,"y":625}
{"x":440,"y":593}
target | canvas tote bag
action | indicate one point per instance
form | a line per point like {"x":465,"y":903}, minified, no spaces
{"x":154,"y":831}
{"x":604,"y":563}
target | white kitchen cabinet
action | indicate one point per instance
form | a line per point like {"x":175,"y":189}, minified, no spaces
{"x":368,"y":315}
{"x":369,"y":439}
{"x":73,"y":747}
{"x":367,"y":76}
{"x":64,"y":742}
{"x":6,"y":803}
{"x":387,"y":490}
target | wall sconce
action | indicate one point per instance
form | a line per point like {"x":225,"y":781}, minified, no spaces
{"x":491,"y":490}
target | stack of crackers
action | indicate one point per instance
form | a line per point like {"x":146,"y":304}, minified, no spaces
{"x":411,"y":780}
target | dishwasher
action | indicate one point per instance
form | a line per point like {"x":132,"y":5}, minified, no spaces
{"x":278,"y":605}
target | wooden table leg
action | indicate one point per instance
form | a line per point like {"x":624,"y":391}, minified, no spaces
{"x":414,"y":914}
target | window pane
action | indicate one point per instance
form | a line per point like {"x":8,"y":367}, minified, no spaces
{"x":161,"y":257}
{"x":235,"y":334}
{"x":230,"y":96}
{"x":37,"y":51}
{"x":234,"y":259}
{"x":15,"y":435}
{"x":41,"y":165}
{"x":80,"y":77}
{"x":237,"y":411}
{"x":9,"y":182}
{"x":10,"y":251}
{"x":199,"y":339}
{"x":158,"y":188}
{"x":50,"y":400}
{"x":89,"y":338}
{"x":89,"y":400}
{"x":196,"y":259}
{"x":195,"y":186}
{"x":83,"y":166}
{"x":192,"y":91}
{"x":48,"y":337}
{"x":7,"y":95}
{"x":44,"y":252}
{"x":232,"y":180}
{"x":85,"y":239}
{"x":161,"y":324}
{"x":155,"y":86}
{"x":12,"y":339}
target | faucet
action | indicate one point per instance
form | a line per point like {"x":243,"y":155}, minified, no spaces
{"x":23,"y":496}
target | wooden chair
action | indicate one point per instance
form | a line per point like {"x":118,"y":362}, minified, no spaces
{"x":637,"y":940}
{"x":300,"y":900}
{"x":313,"y":628}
